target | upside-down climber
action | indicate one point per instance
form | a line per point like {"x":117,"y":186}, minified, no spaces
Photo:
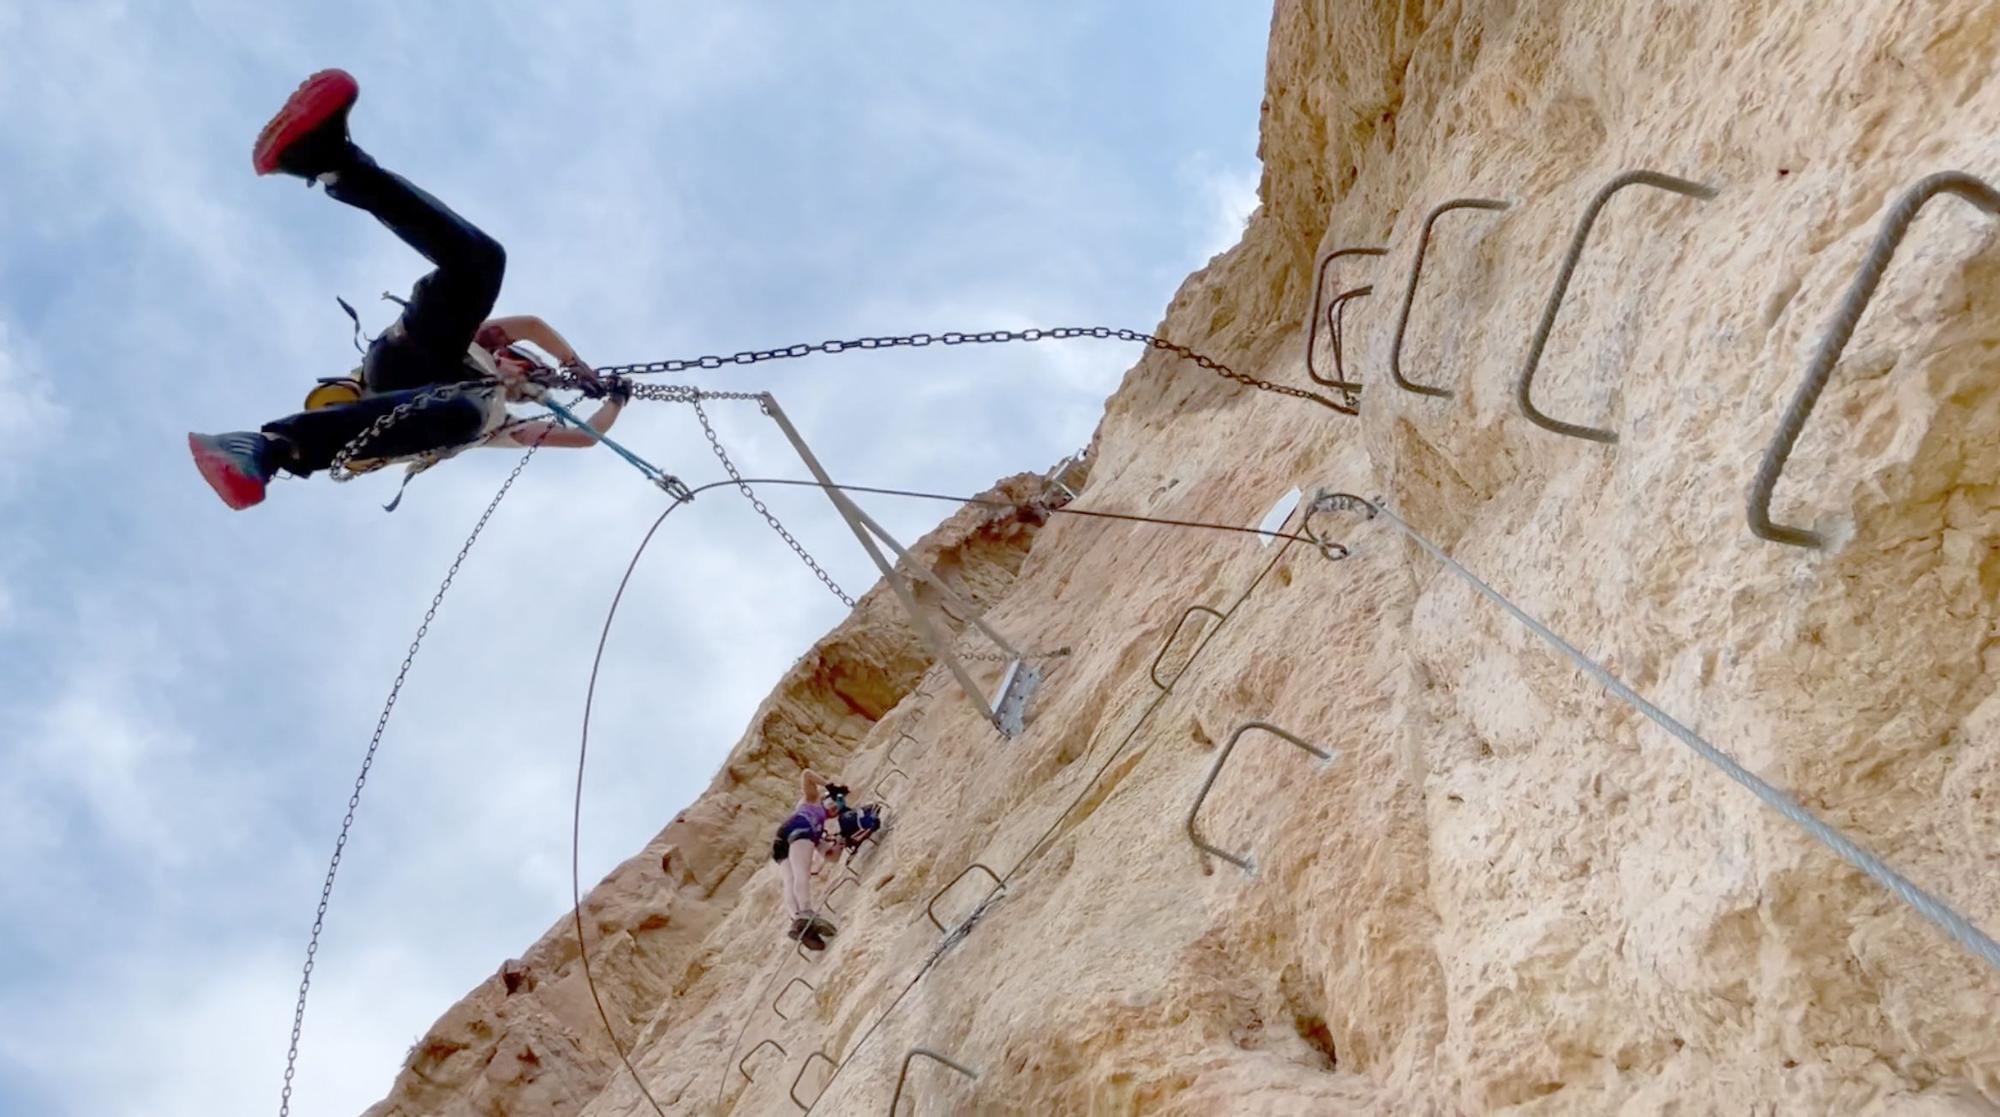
{"x":443,"y":336}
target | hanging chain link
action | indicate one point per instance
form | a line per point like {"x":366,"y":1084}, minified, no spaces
{"x":1003,"y":657}
{"x":339,"y":471}
{"x":679,"y":393}
{"x":663,"y":393}
{"x":1347,"y":406}
{"x":743,"y":487}
{"x":685,"y":393}
{"x":368,"y":762}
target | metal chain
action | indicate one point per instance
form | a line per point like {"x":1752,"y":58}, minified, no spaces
{"x":685,"y":393}
{"x":339,"y":471}
{"x":987,"y":337}
{"x":728,"y":466}
{"x":368,"y":762}
{"x":1003,"y":657}
{"x":664,"y":393}
{"x":1348,"y":405}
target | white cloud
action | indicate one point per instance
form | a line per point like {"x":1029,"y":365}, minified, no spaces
{"x":1230,"y":197}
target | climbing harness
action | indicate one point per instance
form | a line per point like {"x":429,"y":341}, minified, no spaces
{"x":334,"y":391}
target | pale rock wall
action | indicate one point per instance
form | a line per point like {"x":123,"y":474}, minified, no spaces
{"x":1509,"y":891}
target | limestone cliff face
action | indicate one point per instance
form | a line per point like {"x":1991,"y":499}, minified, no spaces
{"x":1508,"y":891}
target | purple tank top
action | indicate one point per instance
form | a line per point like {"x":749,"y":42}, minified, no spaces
{"x":814,"y":813}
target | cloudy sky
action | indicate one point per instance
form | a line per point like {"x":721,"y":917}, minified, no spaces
{"x":187,"y":692}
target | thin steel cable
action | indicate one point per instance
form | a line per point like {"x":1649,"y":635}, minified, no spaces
{"x":576,"y":806}
{"x":1041,"y":843}
{"x":326,"y":891}
{"x":576,"y":815}
{"x":1925,"y":904}
{"x":367,"y":763}
{"x":1158,"y":700}
{"x":1066,"y":510}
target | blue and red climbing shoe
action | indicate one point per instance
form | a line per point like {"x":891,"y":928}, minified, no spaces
{"x":308,"y":137}
{"x":235,"y":465}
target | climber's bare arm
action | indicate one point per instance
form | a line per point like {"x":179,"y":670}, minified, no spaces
{"x":547,"y":432}
{"x":811,"y":785}
{"x":531,"y":329}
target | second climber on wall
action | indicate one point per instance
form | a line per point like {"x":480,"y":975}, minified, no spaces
{"x":801,"y":842}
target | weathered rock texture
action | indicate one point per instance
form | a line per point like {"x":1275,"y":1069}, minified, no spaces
{"x":1509,"y":891}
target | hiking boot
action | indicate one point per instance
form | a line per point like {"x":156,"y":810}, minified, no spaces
{"x":308,"y":137}
{"x":822,"y":928}
{"x":812,"y":940}
{"x":235,"y":465}
{"x":800,"y":924}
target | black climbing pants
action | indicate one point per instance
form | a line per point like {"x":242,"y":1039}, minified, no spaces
{"x":427,"y":345}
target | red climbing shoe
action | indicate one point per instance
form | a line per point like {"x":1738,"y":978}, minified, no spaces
{"x":308,"y":137}
{"x":234,"y":465}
